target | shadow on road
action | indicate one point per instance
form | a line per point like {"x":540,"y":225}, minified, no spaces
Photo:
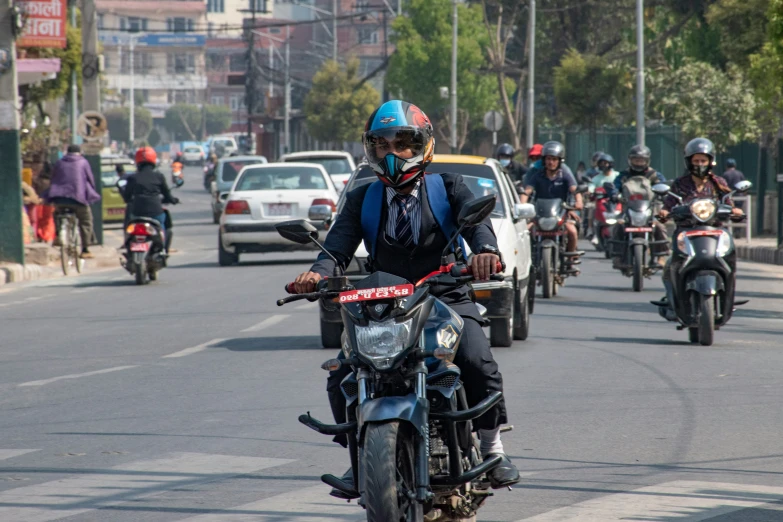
{"x":186,"y":436}
{"x":270,"y":344}
{"x":262,"y":262}
{"x":634,"y":340}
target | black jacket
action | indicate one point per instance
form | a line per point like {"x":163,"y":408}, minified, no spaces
{"x":144,"y":190}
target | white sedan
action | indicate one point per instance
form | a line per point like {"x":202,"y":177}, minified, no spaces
{"x":264,"y":195}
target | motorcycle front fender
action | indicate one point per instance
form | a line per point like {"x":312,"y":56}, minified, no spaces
{"x":705,"y":282}
{"x":409,"y":408}
{"x":638,"y":241}
{"x":548,"y":243}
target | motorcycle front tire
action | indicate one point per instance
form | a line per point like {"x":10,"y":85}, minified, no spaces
{"x":706,"y":320}
{"x":547,"y":274}
{"x":638,"y":268}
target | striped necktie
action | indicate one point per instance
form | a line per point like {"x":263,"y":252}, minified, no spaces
{"x":403,"y":229}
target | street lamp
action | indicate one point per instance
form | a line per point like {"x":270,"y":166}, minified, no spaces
{"x":531,"y":76}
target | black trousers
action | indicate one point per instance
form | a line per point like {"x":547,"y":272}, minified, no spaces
{"x":480,"y":376}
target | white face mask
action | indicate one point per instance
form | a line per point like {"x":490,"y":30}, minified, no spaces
{"x":505,"y":162}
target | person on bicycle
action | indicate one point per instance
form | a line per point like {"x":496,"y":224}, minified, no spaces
{"x":144,"y":190}
{"x":73,"y":188}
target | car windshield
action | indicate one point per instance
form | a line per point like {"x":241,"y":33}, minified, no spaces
{"x":332,"y":165}
{"x":193,"y":149}
{"x":281,"y":178}
{"x":232,"y":168}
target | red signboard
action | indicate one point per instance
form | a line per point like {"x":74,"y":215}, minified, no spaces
{"x":44,"y":23}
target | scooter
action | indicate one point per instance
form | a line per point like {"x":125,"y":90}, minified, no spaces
{"x":700,"y":294}
{"x":177,"y":177}
{"x":607,"y":214}
{"x":145,"y":252}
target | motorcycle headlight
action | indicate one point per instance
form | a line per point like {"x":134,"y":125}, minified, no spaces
{"x":639,"y":218}
{"x":610,"y":221}
{"x":724,"y":244}
{"x":703,"y":209}
{"x":684,"y":244}
{"x":382,"y":341}
{"x":547,"y":223}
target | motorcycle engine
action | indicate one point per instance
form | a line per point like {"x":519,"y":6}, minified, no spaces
{"x":439,"y":452}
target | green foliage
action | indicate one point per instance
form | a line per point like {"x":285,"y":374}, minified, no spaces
{"x":117,"y":120}
{"x":70,"y":60}
{"x":154,"y":138}
{"x":705,"y":102}
{"x":766,"y":72}
{"x":421,"y":64}
{"x":337,"y":105}
{"x":183,"y":121}
{"x":742,"y":25}
{"x":218,"y":119}
{"x":590,"y":92}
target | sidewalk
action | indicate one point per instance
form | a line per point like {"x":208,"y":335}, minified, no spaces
{"x":43,"y":260}
{"x":760,"y":250}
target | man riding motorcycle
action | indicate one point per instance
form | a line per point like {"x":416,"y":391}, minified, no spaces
{"x":144,"y":190}
{"x":606,"y":172}
{"x":553,"y":181}
{"x":639,"y":166}
{"x":398,"y":142}
{"x":698,"y":182}
{"x":515,"y":170}
{"x":593,"y":171}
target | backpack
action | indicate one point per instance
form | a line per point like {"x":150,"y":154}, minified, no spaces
{"x":637,"y":187}
{"x":436,"y":197}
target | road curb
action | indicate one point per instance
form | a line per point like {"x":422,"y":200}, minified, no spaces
{"x":16,"y":273}
{"x":759,"y":254}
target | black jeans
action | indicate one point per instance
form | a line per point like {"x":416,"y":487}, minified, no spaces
{"x":480,"y":376}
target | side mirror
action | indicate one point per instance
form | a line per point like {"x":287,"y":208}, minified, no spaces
{"x":476,"y":211}
{"x":320,"y":213}
{"x":121,"y":184}
{"x":743,"y":186}
{"x":660,"y":189}
{"x":582,"y":188}
{"x":224,"y":196}
{"x":524,"y":211}
{"x":298,"y":231}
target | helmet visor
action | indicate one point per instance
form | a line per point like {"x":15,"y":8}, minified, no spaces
{"x":403,"y":142}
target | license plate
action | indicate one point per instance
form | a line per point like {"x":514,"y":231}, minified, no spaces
{"x":638,"y":229}
{"x":280,"y":209}
{"x":370,"y":294}
{"x":697,"y":233}
{"x":116,"y":211}
{"x":139,"y":247}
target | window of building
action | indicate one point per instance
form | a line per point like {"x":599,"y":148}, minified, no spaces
{"x":183,"y":96}
{"x":142,"y":62}
{"x":258,"y":5}
{"x":132,"y":24}
{"x":237,"y":63}
{"x":236,"y":102}
{"x":216,"y":6}
{"x":100,"y":20}
{"x":361,"y":5}
{"x":218,"y":100}
{"x":179,"y":24}
{"x":367,"y":35}
{"x":180,"y":63}
{"x":216,"y":62}
{"x":274,"y":30}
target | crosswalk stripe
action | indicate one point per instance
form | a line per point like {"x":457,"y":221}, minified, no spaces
{"x":684,"y":500}
{"x":108,"y":487}
{"x":311,"y":504}
{"x":11,"y":453}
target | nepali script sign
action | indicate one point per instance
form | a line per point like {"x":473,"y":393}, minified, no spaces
{"x":44,"y":24}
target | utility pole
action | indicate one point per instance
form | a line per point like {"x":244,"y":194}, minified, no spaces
{"x":640,"y":72}
{"x":250,"y":76}
{"x":11,"y":238}
{"x":334,"y":30}
{"x":91,"y":101}
{"x":531,"y":77}
{"x":385,"y":53}
{"x":74,"y":85}
{"x":132,"y":115}
{"x":287,"y":106}
{"x":454,"y":22}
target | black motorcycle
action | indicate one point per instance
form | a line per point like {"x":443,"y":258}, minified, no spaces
{"x":411,"y":442}
{"x":145,"y":252}
{"x":701,"y":295}
{"x":553,"y":263}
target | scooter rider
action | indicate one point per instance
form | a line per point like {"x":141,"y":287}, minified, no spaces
{"x":144,"y":190}
{"x":554,"y":182}
{"x":639,"y":165}
{"x":515,"y":170}
{"x":698,"y":182}
{"x":398,"y":142}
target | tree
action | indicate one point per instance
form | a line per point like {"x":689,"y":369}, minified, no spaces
{"x":153,"y":138}
{"x":707,"y":102}
{"x":742,"y":25}
{"x":339,"y":103}
{"x":218,"y":119}
{"x":421,"y":64}
{"x":589,"y":92}
{"x":183,"y":121}
{"x":117,"y":120}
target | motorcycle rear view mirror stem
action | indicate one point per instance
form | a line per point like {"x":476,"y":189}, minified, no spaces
{"x":302,"y":232}
{"x":473,"y":213}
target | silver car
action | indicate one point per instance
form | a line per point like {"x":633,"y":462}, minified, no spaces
{"x":226,"y":172}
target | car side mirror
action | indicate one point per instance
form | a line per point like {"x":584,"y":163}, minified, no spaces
{"x":743,"y":186}
{"x":476,"y":211}
{"x":660,"y":189}
{"x":524,"y":211}
{"x":320,"y":213}
{"x":298,"y":231}
{"x":224,"y":196}
{"x":121,"y":184}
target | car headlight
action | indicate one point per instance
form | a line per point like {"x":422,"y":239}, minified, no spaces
{"x":547,"y":223}
{"x":684,"y":244}
{"x":703,"y":209}
{"x":382,"y":341}
{"x":724,"y":244}
{"x":639,"y":218}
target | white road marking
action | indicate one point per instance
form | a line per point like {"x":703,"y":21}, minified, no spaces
{"x":76,"y":376}
{"x":306,"y":306}
{"x":269,"y":321}
{"x":129,"y":482}
{"x":193,"y":349}
{"x":11,"y":453}
{"x":684,"y":500}
{"x":311,"y":504}
{"x":83,"y":290}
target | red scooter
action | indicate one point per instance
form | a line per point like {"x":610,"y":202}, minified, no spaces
{"x":607,"y":214}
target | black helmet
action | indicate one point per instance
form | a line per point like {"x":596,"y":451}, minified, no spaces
{"x":605,"y":158}
{"x":639,"y":152}
{"x":731,"y":163}
{"x":596,"y":154}
{"x":699,"y":146}
{"x":553,"y":148}
{"x":505,"y":150}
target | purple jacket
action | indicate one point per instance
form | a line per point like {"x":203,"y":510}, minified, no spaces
{"x":72,"y":178}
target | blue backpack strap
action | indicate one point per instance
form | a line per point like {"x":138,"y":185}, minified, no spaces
{"x":440,"y":206}
{"x":371,"y":215}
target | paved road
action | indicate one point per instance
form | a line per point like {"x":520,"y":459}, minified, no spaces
{"x":178,"y":400}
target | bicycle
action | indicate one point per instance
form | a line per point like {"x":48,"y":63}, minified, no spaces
{"x":70,"y":240}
